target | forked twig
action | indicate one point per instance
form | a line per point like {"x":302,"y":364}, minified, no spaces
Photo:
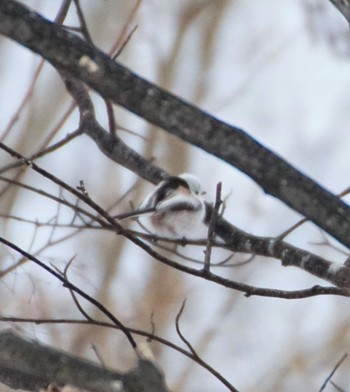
{"x":196,"y":357}
{"x":76,"y":289}
{"x":341,"y":360}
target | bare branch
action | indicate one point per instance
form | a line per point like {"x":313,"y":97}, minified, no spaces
{"x":113,"y":146}
{"x":236,"y":240}
{"x":34,"y":366}
{"x":71,"y":55}
{"x":71,"y":286}
{"x":149,"y":335}
{"x":344,"y":7}
{"x":342,"y":359}
{"x":211,"y":227}
{"x":196,"y":357}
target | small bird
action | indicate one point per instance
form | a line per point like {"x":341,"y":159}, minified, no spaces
{"x":176,"y":208}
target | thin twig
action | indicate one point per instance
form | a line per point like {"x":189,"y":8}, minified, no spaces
{"x":304,"y":220}
{"x":337,"y":387}
{"x":117,"y":46}
{"x":69,"y":137}
{"x":71,"y":286}
{"x":208,"y":275}
{"x":178,"y":330}
{"x":148,"y":335}
{"x":75,"y":299}
{"x":211,"y":228}
{"x":126,"y":41}
{"x":341,"y":360}
{"x":196,"y":357}
{"x":83,"y":26}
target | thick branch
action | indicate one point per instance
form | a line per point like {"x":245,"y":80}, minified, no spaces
{"x":29,"y":365}
{"x":344,"y":7}
{"x":113,"y":147}
{"x":240,"y":241}
{"x":235,"y":239}
{"x":70,"y":54}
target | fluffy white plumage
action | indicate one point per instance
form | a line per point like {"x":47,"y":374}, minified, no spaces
{"x":179,"y":209}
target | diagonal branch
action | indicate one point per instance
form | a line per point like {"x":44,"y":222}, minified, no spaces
{"x":74,"y":288}
{"x":31,"y":366}
{"x":343,"y":6}
{"x":70,"y":54}
{"x":113,"y":147}
{"x":235,"y":239}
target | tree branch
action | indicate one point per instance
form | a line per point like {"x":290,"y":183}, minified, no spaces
{"x":343,"y":6}
{"x":112,"y":146}
{"x":235,"y":239}
{"x":70,"y":54}
{"x":29,"y":365}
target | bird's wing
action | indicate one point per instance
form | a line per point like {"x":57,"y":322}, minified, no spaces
{"x":179,"y":203}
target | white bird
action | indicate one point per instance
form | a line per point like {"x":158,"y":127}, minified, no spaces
{"x":177,"y":209}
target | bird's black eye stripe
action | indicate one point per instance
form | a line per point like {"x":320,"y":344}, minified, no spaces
{"x":168,"y":186}
{"x":175,"y":182}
